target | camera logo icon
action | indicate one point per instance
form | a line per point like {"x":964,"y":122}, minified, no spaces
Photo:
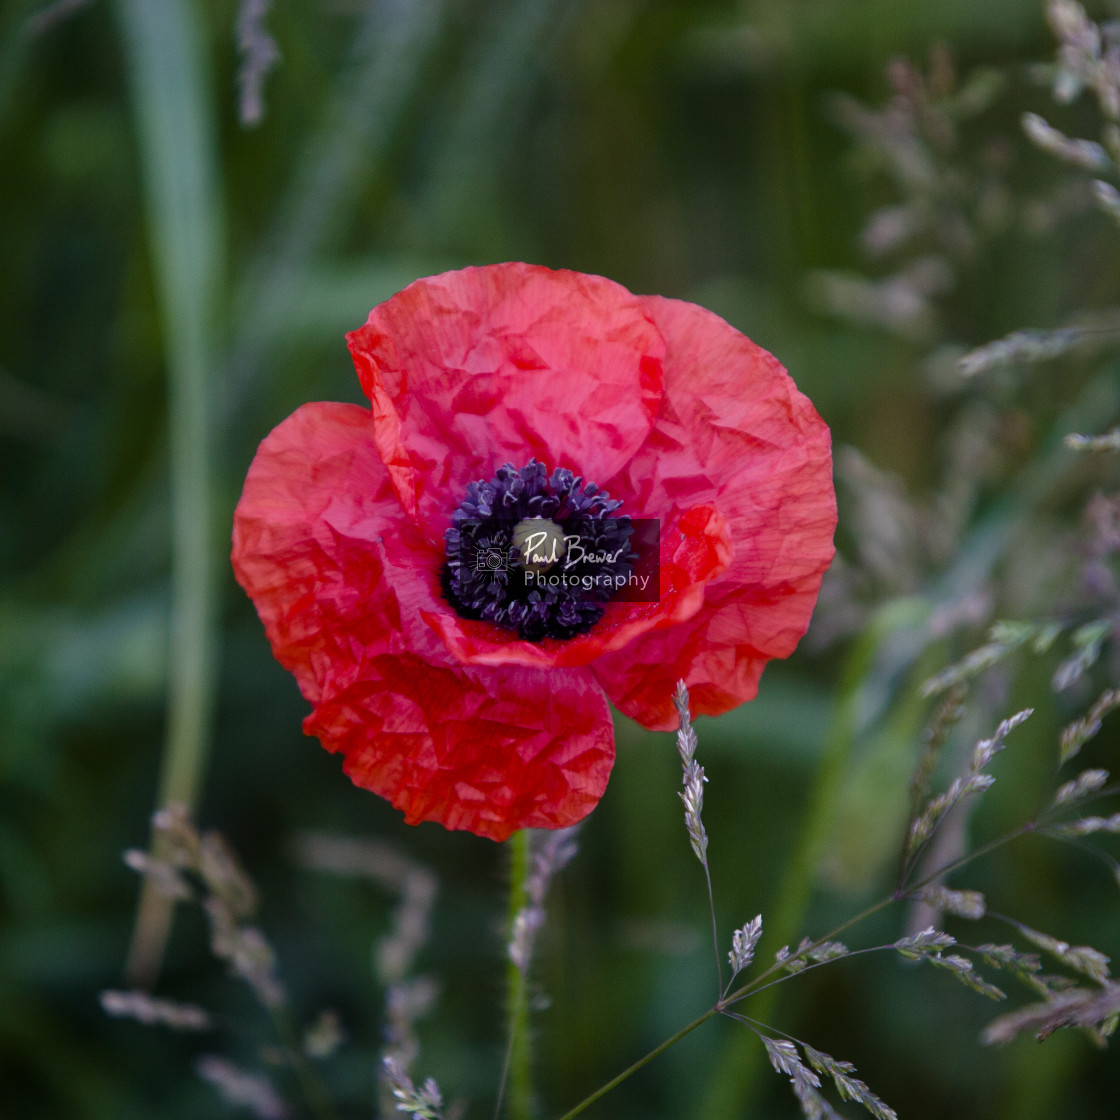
{"x":490,"y":560}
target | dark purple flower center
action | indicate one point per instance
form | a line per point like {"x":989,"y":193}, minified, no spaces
{"x":535,"y":552}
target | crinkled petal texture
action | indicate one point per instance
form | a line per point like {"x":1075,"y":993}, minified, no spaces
{"x":473,"y":369}
{"x":733,"y":431}
{"x":338,"y":537}
{"x":340,"y":578}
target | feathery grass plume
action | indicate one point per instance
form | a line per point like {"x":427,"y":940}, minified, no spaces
{"x":1026,"y":347}
{"x":259,"y":54}
{"x":901,"y":303}
{"x":974,"y":781}
{"x":809,"y":952}
{"x":790,"y":962}
{"x":241,"y":1089}
{"x":963,"y":970}
{"x":743,"y":943}
{"x":1076,"y":734}
{"x":1086,"y":154}
{"x":425,"y":1103}
{"x":408,"y":999}
{"x":948,"y":715}
{"x":922,"y":943}
{"x":1088,"y":56}
{"x":151,"y":1011}
{"x":850,"y":1088}
{"x":944,"y":205}
{"x":692,"y":796}
{"x":550,"y":852}
{"x":927,"y":946}
{"x":1108,"y":442}
{"x":1004,"y":638}
{"x":1107,"y":197}
{"x":806,"y":1084}
{"x":785,"y":1059}
{"x":823,"y":951}
{"x":202,"y":867}
{"x":961,"y":904}
{"x":1095,"y":1010}
{"x":165,"y":877}
{"x":1023,"y":966}
{"x":926,"y":942}
{"x":1087,"y":641}
{"x":1081,"y":958}
{"x":693,"y":778}
{"x":1085,"y":826}
{"x":1086,"y":783}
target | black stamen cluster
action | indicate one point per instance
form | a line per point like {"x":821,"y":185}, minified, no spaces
{"x":485,"y":576}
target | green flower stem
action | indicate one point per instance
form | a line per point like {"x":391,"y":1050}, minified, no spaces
{"x":173,"y":117}
{"x":518,"y":1073}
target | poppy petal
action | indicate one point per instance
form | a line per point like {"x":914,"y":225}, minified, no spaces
{"x":340,"y":578}
{"x":473,"y":369}
{"x":489,"y":751}
{"x":733,"y":431}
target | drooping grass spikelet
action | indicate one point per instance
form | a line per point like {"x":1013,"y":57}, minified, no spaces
{"x":1004,"y":638}
{"x":948,"y":714}
{"x":922,"y":944}
{"x":1109,"y":441}
{"x":1086,"y":783}
{"x":425,"y":1103}
{"x":923,"y":826}
{"x":743,"y":944}
{"x":784,"y":1057}
{"x":1093,"y":1010}
{"x":203,"y":867}
{"x":1076,"y":734}
{"x":238,"y":1087}
{"x":151,"y":1011}
{"x":962,"y":904}
{"x":1081,"y":958}
{"x":259,"y":54}
{"x":849,"y":1087}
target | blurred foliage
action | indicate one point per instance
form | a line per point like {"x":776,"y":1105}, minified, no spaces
{"x":868,"y":220}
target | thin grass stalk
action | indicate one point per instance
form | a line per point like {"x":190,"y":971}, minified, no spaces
{"x":656,"y":1052}
{"x":167,"y":72}
{"x":736,"y":1071}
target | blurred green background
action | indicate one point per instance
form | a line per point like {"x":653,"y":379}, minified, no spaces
{"x":168,"y":270}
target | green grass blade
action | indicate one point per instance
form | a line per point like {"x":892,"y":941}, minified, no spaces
{"x":173,"y":118}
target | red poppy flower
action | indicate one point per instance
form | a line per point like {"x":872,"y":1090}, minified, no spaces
{"x":569,"y":401}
